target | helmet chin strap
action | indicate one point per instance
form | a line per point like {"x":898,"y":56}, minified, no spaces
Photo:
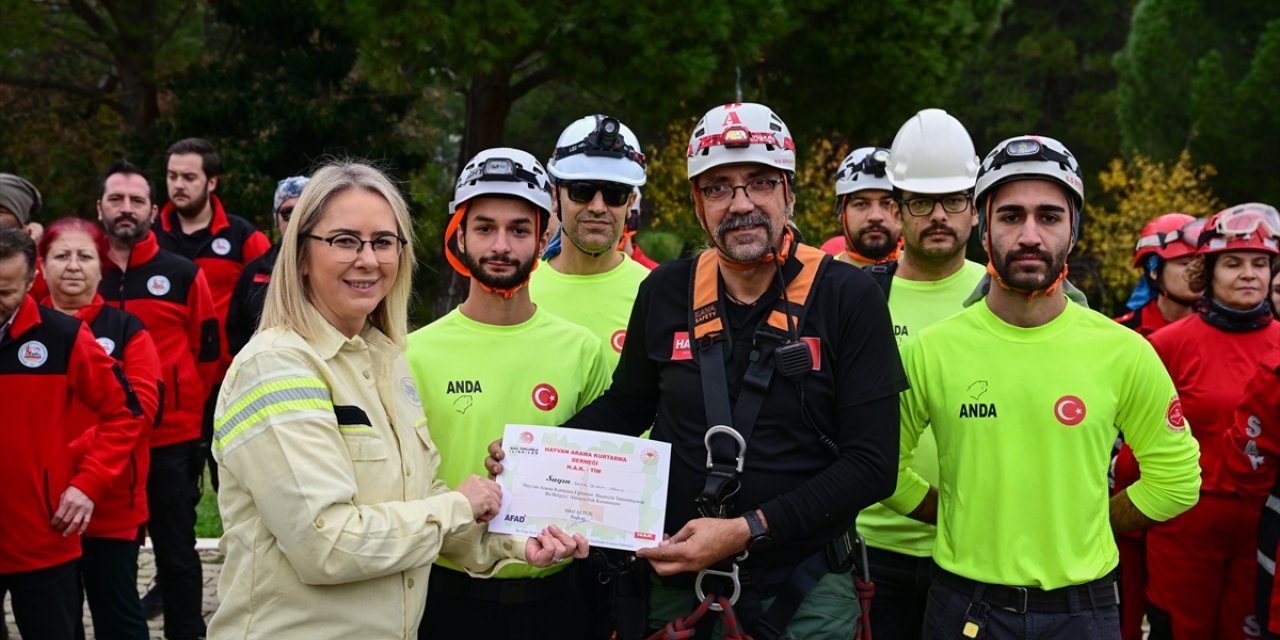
{"x":454,"y":223}
{"x":774,"y":255}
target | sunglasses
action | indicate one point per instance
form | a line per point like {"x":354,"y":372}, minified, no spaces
{"x":285,"y":213}
{"x":614,"y":195}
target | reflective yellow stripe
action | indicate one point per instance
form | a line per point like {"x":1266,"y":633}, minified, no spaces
{"x":268,"y":400}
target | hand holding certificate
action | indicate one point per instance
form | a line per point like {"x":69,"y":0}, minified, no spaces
{"x":611,"y":489}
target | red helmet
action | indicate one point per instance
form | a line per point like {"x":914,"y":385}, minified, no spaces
{"x":1252,"y":226}
{"x":1162,"y":236}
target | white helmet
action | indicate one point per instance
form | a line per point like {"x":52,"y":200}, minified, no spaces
{"x":933,"y":153}
{"x":503,"y":171}
{"x":741,"y":132}
{"x":598,"y":148}
{"x":1027,"y":157}
{"x":863,"y":169}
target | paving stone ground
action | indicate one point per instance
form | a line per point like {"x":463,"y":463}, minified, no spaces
{"x":209,"y":557}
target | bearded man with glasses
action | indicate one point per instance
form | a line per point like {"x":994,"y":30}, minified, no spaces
{"x":251,"y":287}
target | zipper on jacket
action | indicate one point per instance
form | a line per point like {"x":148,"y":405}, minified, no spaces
{"x":177,"y":390}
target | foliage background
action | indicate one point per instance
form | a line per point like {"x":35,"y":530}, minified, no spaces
{"x":1168,"y":103}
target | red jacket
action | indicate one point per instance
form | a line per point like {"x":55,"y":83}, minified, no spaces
{"x":46,"y":358}
{"x":1209,"y":367}
{"x":1145,"y":321}
{"x":171,"y":296}
{"x":221,"y":250}
{"x":121,"y":334}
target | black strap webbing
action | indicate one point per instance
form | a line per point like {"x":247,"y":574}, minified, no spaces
{"x":882,"y":274}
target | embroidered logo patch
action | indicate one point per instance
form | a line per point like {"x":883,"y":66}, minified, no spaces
{"x":1173,"y":417}
{"x":545,"y":397}
{"x":107,"y":345}
{"x":33,"y":354}
{"x":680,"y":346}
{"x":158,"y":285}
{"x":221,"y":246}
{"x":1069,"y":410}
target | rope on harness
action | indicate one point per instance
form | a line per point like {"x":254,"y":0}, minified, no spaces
{"x":684,"y":628}
{"x":866,"y":591}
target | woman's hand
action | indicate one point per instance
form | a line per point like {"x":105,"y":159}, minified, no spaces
{"x":484,"y":495}
{"x":554,"y":545}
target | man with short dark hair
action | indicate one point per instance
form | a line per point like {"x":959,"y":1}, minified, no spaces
{"x":195,"y":225}
{"x":47,"y":357}
{"x":170,"y":295}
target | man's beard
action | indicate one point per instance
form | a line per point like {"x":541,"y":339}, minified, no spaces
{"x":516,"y":278}
{"x":880,"y":248}
{"x":131,"y":235}
{"x":195,"y":206}
{"x":747,"y":254}
{"x":1029,"y":281}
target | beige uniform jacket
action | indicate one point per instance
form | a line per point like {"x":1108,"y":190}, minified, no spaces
{"x":329,"y":500}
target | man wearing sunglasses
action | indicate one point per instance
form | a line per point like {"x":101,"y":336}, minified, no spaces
{"x":245,"y":308}
{"x":595,"y":170}
{"x":771,"y":369}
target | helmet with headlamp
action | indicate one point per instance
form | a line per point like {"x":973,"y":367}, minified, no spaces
{"x":598,"y":147}
{"x":737,"y":133}
{"x":1030,"y":158}
{"x":864,"y":168}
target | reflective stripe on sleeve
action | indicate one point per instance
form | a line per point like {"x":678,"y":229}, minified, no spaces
{"x":282,"y":398}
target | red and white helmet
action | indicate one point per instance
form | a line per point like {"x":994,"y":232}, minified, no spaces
{"x":741,"y":132}
{"x":1163,"y":236}
{"x":1252,"y":226}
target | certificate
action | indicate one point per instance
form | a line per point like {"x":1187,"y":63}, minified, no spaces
{"x":611,"y":489}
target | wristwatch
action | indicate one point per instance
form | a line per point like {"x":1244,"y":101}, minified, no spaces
{"x":760,"y":539}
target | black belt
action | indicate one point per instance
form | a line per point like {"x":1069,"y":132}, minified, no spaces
{"x":1098,"y":594}
{"x":503,"y":590}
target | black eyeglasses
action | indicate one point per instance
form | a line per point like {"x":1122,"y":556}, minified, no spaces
{"x":386,"y":247}
{"x":285,"y":213}
{"x":755,"y":187}
{"x":615,"y":195}
{"x":922,"y":206}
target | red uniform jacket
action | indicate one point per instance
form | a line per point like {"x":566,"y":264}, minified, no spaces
{"x":1145,"y":321}
{"x":121,"y":335}
{"x":171,"y":297}
{"x":221,"y":250}
{"x":47,"y":358}
{"x":1209,"y":367}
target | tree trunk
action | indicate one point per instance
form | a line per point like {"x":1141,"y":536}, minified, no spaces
{"x":488,"y":102}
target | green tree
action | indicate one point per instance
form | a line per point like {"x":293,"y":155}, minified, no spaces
{"x":1203,"y":76}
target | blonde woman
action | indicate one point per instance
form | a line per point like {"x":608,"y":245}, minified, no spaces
{"x":332,"y":513}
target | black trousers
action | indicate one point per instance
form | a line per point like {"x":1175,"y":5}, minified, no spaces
{"x":902,"y":591}
{"x":109,"y":571}
{"x":173,"y":489}
{"x":46,"y":602}
{"x":557,"y":613}
{"x":206,"y":436}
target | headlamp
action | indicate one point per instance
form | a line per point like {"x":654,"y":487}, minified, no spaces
{"x":873,"y":164}
{"x":1024,"y":147}
{"x":736,"y":137}
{"x":499,"y":169}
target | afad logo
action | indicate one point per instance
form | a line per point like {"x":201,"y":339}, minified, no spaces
{"x":1173,"y":417}
{"x":158,"y":285}
{"x":33,"y":354}
{"x":618,"y":339}
{"x":511,"y":517}
{"x":545,"y":397}
{"x":1069,"y":410}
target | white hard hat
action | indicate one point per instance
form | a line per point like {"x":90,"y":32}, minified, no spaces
{"x":503,"y":171}
{"x":863,"y":169}
{"x":741,"y":132}
{"x":1030,"y":157}
{"x":598,"y":148}
{"x":933,"y":153}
